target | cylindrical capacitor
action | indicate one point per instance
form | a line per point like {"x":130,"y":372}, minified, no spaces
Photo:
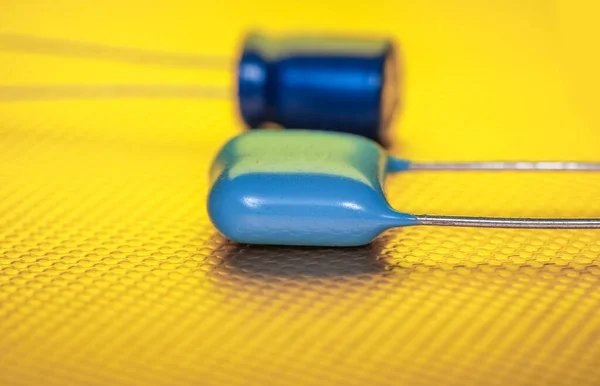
{"x":321,"y":83}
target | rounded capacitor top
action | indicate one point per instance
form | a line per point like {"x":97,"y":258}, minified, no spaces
{"x":319,"y":83}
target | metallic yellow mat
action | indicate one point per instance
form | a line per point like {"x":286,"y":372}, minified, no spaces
{"x":111,"y":273}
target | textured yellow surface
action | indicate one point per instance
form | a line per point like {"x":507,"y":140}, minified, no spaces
{"x":111,"y":274}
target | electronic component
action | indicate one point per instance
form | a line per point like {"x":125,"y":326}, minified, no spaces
{"x":300,"y":187}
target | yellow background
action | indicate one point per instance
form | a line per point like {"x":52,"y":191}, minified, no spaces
{"x":110,"y":272}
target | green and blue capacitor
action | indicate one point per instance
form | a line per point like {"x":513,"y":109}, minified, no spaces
{"x":317,"y":188}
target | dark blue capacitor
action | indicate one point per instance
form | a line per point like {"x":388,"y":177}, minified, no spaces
{"x":319,"y":83}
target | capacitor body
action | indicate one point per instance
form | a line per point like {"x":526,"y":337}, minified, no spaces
{"x":300,"y":187}
{"x":319,"y":83}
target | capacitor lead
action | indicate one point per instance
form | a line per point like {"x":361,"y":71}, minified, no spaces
{"x":340,"y":84}
{"x":300,"y":187}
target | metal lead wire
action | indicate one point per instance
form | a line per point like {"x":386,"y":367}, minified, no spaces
{"x":112,"y":91}
{"x":513,"y":165}
{"x":85,"y":50}
{"x":506,"y":222}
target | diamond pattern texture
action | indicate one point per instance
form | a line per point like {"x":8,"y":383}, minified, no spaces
{"x":111,"y":273}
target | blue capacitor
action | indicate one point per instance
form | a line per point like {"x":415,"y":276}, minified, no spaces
{"x":319,"y":83}
{"x":301,"y":187}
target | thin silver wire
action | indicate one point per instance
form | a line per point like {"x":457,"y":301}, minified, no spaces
{"x":513,"y":165}
{"x":111,"y":91}
{"x":506,"y":222}
{"x":87,"y":50}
